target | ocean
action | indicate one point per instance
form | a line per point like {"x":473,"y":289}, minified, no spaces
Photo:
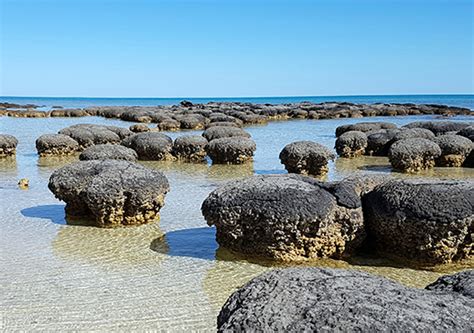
{"x":466,"y":101}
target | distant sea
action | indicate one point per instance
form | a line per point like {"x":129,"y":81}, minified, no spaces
{"x":80,"y":102}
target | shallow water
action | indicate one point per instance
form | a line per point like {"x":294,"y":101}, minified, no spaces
{"x":168,"y":275}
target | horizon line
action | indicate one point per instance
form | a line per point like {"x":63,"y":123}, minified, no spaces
{"x":228,"y":97}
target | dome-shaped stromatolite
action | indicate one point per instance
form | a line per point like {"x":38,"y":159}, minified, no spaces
{"x":364,"y":127}
{"x":306,"y":157}
{"x":429,"y":221}
{"x":467,"y":132}
{"x":439,"y":127}
{"x":336,"y":300}
{"x":190,"y":148}
{"x":8,"y":145}
{"x":56,"y":144}
{"x":378,"y":143}
{"x":286,"y":217}
{"x":410,"y":133}
{"x":169,"y":124}
{"x":461,"y":283}
{"x":112,"y":192}
{"x":150,"y":146}
{"x":222,"y":124}
{"x":413,"y":155}
{"x":233,"y":150}
{"x":88,"y":134}
{"x":108,"y":152}
{"x":219,"y":132}
{"x":139,"y":128}
{"x":454,"y":150}
{"x":351,"y":144}
{"x":191,"y":122}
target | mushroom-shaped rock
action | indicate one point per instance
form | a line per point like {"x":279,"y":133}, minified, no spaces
{"x":413,"y":155}
{"x":306,"y":157}
{"x":378,"y":143}
{"x":233,"y":150}
{"x":190,"y":148}
{"x":219,"y":132}
{"x":139,"y":128}
{"x":351,"y":144}
{"x":56,"y":144}
{"x":111,"y":192}
{"x":8,"y":145}
{"x":108,"y":152}
{"x":88,"y":134}
{"x":286,"y":217}
{"x":467,"y":132}
{"x":461,"y":283}
{"x":426,"y":221}
{"x":410,"y":133}
{"x":364,"y":127}
{"x":151,"y":146}
{"x":454,"y":150}
{"x":334,"y":300}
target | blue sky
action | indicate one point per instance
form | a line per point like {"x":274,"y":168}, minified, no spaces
{"x":211,"y":48}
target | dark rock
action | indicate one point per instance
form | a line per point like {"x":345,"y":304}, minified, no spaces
{"x":219,"y":132}
{"x":454,"y":150}
{"x":56,"y":144}
{"x":222,"y":124}
{"x":111,"y":192}
{"x":460,"y":283}
{"x":186,"y":104}
{"x":379,"y":143}
{"x":439,"y":127}
{"x":190,"y":148}
{"x":231,"y":150}
{"x":410,"y":133}
{"x":331,"y":300}
{"x":169,"y":124}
{"x":108,"y":152}
{"x":413,"y":155}
{"x":8,"y":145}
{"x":427,"y":221}
{"x":306,"y":157}
{"x":351,"y":144}
{"x":151,"y":146}
{"x":467,"y":132}
{"x":364,"y":127}
{"x":87,"y":134}
{"x":286,"y":217}
{"x":139,"y":128}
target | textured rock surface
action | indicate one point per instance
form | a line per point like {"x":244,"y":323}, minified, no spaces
{"x":330,"y":300}
{"x":413,"y":155}
{"x":151,"y":146}
{"x":56,"y":144}
{"x":364,"y":127}
{"x":108,"y":152}
{"x":219,"y":132}
{"x":8,"y":145}
{"x":439,"y":127}
{"x":428,"y":221}
{"x":88,"y":134}
{"x":461,"y":283}
{"x":379,"y":143}
{"x":351,"y":144}
{"x":454,"y":150}
{"x":306,"y":157}
{"x":111,"y":192}
{"x":190,"y":148}
{"x":409,"y":133}
{"x":139,"y":128}
{"x":467,"y":132}
{"x":286,"y":217}
{"x":232,"y":150}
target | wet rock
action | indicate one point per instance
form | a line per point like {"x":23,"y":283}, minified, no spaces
{"x":460,"y":283}
{"x":139,"y":128}
{"x":286,"y":217}
{"x":439,"y":127}
{"x":151,"y":146}
{"x":321,"y":299}
{"x":108,"y":152}
{"x":467,"y":132}
{"x":88,"y":134}
{"x":454,"y":150}
{"x":111,"y":192}
{"x":24,"y":183}
{"x":426,"y":221}
{"x":8,"y":145}
{"x":120,"y":131}
{"x":231,"y":150}
{"x":56,"y":144}
{"x":219,"y":132}
{"x":27,"y":114}
{"x":69,"y":113}
{"x":169,"y":124}
{"x":191,"y":122}
{"x":364,"y":127}
{"x":306,"y":157}
{"x":379,"y":143}
{"x":409,"y":133}
{"x":222,"y":124}
{"x":190,"y":148}
{"x":413,"y":155}
{"x":351,"y":144}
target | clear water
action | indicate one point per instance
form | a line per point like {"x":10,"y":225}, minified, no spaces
{"x":466,"y":101}
{"x":165,"y":276}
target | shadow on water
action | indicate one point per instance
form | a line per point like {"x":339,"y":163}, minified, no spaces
{"x":54,"y":213}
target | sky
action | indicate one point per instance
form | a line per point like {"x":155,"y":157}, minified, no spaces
{"x":230,"y":48}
